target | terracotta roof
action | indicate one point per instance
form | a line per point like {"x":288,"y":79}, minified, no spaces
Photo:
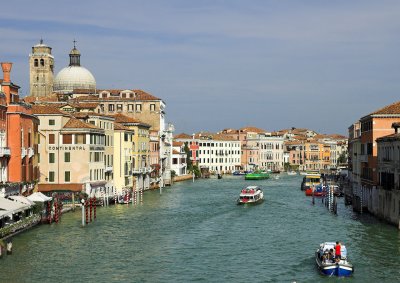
{"x":74,"y":123}
{"x":299,"y":130}
{"x":85,"y":105}
{"x":115,"y":95}
{"x":252,"y":129}
{"x":118,"y":126}
{"x":176,"y":143}
{"x":46,"y":109}
{"x":32,"y":99}
{"x":393,"y":108}
{"x":123,"y":119}
{"x":87,"y":114}
{"x":213,"y":136}
{"x":182,"y":136}
{"x":392,"y":137}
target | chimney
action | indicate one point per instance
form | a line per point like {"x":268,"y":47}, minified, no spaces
{"x":396,"y":127}
{"x":6,"y":66}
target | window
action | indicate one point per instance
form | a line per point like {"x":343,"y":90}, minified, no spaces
{"x":67,"y":157}
{"x":52,"y":157}
{"x":152,"y":107}
{"x":138,"y":107}
{"x":42,"y":62}
{"x":67,"y":139}
{"x":51,"y":139}
{"x":130,"y":107}
{"x":111,"y":107}
{"x":119,"y":107}
{"x":67,"y":176}
{"x":51,"y":176}
{"x":126,"y":137}
{"x":52,"y":122}
{"x":80,"y":139}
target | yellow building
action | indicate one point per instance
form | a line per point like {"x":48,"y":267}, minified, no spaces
{"x":140,"y":150}
{"x":122,"y":167}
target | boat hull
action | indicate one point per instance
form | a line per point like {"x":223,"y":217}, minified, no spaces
{"x":341,"y":269}
{"x":256,"y":177}
{"x":250,"y":202}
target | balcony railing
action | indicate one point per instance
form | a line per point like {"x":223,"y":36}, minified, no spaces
{"x":108,"y":169}
{"x":5,"y":151}
{"x":31,"y":152}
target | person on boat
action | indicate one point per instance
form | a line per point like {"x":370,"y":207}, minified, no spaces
{"x":331,"y":255}
{"x":325,"y":256}
{"x":337,"y":251}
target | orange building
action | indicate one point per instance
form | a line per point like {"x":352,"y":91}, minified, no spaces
{"x":21,"y":128}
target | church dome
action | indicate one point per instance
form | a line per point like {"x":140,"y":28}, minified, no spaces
{"x":74,"y":77}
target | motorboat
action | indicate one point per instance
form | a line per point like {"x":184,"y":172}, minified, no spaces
{"x":317,"y":191}
{"x":328,"y":265}
{"x":292,"y":173}
{"x":310,"y":180}
{"x":238,"y":173}
{"x":257,"y":175}
{"x":251,"y":195}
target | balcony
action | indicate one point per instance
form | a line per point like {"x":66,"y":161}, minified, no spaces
{"x":31,"y":152}
{"x":108,"y":169}
{"x":23,"y":152}
{"x":5,"y":151}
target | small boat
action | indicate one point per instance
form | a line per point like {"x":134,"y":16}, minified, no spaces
{"x":292,"y":173}
{"x":318,"y":191}
{"x":257,"y":175}
{"x":251,"y":195}
{"x":276,"y":171}
{"x":219,"y":176}
{"x":330,"y":266}
{"x":238,"y":173}
{"x":310,"y":180}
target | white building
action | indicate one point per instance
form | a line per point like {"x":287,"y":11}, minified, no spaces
{"x":218,"y":152}
{"x":179,"y":164}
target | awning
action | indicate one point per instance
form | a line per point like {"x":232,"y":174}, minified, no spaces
{"x":13,"y":206}
{"x":21,"y":199}
{"x":39,"y":197}
{"x":60,"y":187}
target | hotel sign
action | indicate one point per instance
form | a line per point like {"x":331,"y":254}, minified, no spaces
{"x":67,"y":147}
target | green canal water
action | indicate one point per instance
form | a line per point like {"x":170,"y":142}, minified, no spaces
{"x":196,"y":232}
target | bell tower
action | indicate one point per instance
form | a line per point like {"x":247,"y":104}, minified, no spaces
{"x":41,"y":70}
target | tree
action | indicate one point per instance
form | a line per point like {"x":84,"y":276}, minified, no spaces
{"x":188,"y":156}
{"x":342,"y":158}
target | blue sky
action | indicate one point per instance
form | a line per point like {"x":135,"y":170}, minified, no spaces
{"x":219,"y":64}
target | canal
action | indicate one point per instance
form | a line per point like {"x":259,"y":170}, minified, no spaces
{"x":196,"y":232}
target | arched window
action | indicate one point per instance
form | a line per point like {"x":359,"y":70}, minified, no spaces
{"x":42,"y":62}
{"x":36,"y":62}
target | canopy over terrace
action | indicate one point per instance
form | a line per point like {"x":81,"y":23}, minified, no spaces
{"x":39,"y":197}
{"x":13,"y":206}
{"x":21,"y":199}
